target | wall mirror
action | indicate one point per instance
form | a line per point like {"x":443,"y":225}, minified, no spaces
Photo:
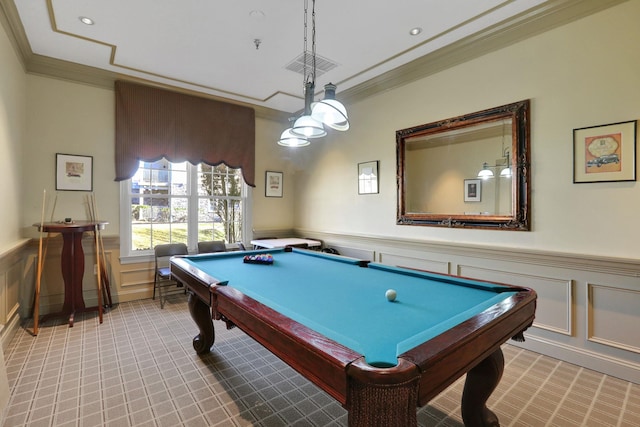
{"x":470,"y":171}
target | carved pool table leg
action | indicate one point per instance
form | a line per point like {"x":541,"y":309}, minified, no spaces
{"x":201,"y":314}
{"x":480,"y":383}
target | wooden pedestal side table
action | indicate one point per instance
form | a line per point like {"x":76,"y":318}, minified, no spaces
{"x":72,"y":262}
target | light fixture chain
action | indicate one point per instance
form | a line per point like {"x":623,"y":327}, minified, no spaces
{"x":305,"y":53}
{"x":313,"y":39}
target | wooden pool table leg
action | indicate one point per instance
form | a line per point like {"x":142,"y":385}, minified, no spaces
{"x":201,"y":314}
{"x":480,"y":383}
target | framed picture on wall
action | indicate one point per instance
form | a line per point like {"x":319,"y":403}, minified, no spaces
{"x":74,"y":173}
{"x":472,"y":190}
{"x":273,"y":184}
{"x":605,"y":153}
{"x":368,"y":177}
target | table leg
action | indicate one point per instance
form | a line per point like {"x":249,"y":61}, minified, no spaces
{"x":480,"y":383}
{"x":375,"y":403}
{"x":201,"y":314}
{"x":72,"y":265}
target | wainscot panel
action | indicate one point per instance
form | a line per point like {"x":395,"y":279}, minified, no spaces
{"x":587,"y":306}
{"x":610,"y":309}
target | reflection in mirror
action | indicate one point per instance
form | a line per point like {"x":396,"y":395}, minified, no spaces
{"x":468,"y":171}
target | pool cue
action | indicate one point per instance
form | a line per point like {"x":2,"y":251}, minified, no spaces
{"x":102,"y":270}
{"x":106,"y":283}
{"x":36,"y":298}
{"x":46,"y":242}
{"x":99,"y":265}
{"x":99,"y":273}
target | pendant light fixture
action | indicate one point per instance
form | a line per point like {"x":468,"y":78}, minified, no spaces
{"x":328,"y":111}
{"x":485,"y":172}
{"x":288,"y":139}
{"x":504,"y":164}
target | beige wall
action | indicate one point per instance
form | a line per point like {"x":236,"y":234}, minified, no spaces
{"x":12,"y":121}
{"x":13,"y":86}
{"x":68,"y":118}
{"x":65,"y":117}
{"x":583,"y":74}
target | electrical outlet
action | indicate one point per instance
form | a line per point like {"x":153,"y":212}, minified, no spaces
{"x":95,"y":269}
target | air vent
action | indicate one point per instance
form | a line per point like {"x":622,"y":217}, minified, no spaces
{"x":322,"y":64}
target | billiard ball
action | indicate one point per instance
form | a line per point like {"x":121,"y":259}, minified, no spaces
{"x":390,"y":295}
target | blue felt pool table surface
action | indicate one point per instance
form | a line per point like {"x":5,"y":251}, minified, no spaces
{"x":345,"y":302}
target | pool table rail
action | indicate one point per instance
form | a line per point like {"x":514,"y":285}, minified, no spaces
{"x":448,"y":356}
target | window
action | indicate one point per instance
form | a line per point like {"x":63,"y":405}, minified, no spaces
{"x":168,"y":202}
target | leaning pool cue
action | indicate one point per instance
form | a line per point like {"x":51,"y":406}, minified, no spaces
{"x":36,"y":298}
{"x":95,"y":231}
{"x":46,"y":242}
{"x":106,"y":285}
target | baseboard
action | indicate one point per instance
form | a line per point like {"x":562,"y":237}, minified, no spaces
{"x":608,"y":365}
{"x":9,"y":330}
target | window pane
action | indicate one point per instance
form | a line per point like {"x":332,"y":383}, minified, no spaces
{"x":179,"y":209}
{"x":209,"y":231}
{"x":178,"y":233}
{"x":204,"y":180}
{"x":206,"y":212}
{"x":219,"y":180}
{"x":178,"y":183}
{"x":160,"y":234}
{"x":140,"y":236}
{"x":159,"y":210}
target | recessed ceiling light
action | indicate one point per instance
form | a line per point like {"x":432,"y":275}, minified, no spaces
{"x":86,"y":21}
{"x":415,"y":31}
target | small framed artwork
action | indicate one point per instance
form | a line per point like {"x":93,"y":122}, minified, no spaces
{"x":368,"y":177}
{"x":74,"y":173}
{"x":273,"y":184}
{"x":472,"y":190}
{"x":605,"y":153}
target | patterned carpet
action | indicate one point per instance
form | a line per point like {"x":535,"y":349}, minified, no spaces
{"x":139,"y":369}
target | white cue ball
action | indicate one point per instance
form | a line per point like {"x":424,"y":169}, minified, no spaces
{"x":390,"y":294}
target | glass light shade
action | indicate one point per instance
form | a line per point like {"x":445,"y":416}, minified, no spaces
{"x":331,"y":113}
{"x":308,"y":127}
{"x":506,"y":172}
{"x":288,"y":139}
{"x":485,"y":172}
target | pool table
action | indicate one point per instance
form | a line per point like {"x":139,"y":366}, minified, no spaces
{"x":328,"y":317}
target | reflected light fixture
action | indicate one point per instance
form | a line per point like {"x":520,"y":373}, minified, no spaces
{"x":329,"y":111}
{"x":485,"y":172}
{"x":506,"y":172}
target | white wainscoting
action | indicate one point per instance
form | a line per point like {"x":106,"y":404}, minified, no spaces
{"x":588,"y":308}
{"x":12,"y":273}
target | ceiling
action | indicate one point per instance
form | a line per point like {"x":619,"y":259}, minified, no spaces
{"x":241,"y":51}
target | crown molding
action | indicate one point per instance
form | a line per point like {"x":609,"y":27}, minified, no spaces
{"x":528,"y":24}
{"x":533,"y":22}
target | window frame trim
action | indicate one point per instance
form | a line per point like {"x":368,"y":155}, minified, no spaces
{"x":127,"y":256}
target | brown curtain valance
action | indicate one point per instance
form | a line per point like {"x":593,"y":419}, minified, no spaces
{"x":153,"y":123}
